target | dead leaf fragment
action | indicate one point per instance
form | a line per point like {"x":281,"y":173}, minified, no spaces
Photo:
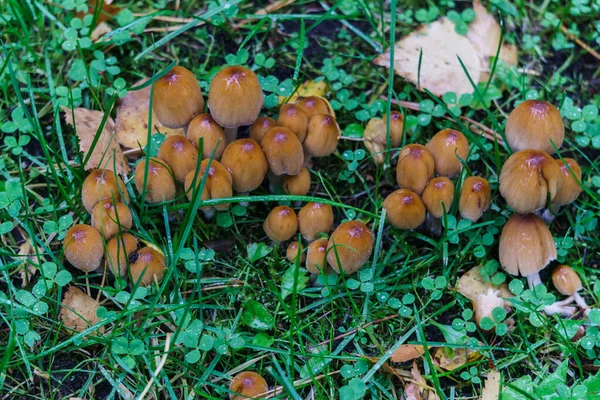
{"x":374,"y":139}
{"x":491,"y":390}
{"x":78,"y":310}
{"x":419,"y":389}
{"x":308,"y":88}
{"x":107,"y":152}
{"x":472,"y":284}
{"x":449,"y":359}
{"x":100,"y":30}
{"x":407,"y":352}
{"x":108,"y":10}
{"x":385,"y":367}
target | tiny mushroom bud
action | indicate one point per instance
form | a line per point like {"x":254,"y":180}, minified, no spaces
{"x":281,"y":224}
{"x":293,"y":251}
{"x":118,"y":250}
{"x":349,"y":247}
{"x":447,"y":146}
{"x":177,"y":98}
{"x":83,"y":247}
{"x":260,"y":127}
{"x":159,"y":183}
{"x":404,"y":209}
{"x":322,"y":136}
{"x":217,"y":184}
{"x":415,"y":167}
{"x":298,"y":185}
{"x":204,"y":128}
{"x":535,"y":125}
{"x":315,"y":218}
{"x":283,"y":151}
{"x":247,"y":164}
{"x":396,"y":127}
{"x":570,"y":188}
{"x":111,"y":218}
{"x":295,"y":119}
{"x":247,"y":385}
{"x":148,"y":265}
{"x":314,"y":105}
{"x":568,"y":283}
{"x":179,"y":154}
{"x":102,"y":184}
{"x":485,"y":303}
{"x":528,"y":178}
{"x":315,"y":256}
{"x":438,"y":196}
{"x":475,"y":198}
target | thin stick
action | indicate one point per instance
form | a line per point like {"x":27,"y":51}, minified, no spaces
{"x":163,"y":360}
{"x":582,"y":44}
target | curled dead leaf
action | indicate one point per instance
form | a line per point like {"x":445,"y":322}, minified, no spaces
{"x":78,"y":311}
{"x":374,"y":139}
{"x":449,"y":359}
{"x":419,"y":389}
{"x":407,"y":352}
{"x":472,"y":284}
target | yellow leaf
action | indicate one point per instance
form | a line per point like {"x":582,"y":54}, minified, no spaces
{"x":450,"y":359}
{"x":472,"y":284}
{"x":491,"y":390}
{"x":308,"y":88}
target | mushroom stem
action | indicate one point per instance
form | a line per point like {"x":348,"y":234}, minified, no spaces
{"x":555,"y":308}
{"x":581,"y":303}
{"x":550,"y":213}
{"x":307,"y":160}
{"x":230,"y":134}
{"x":244,"y":203}
{"x":434,"y":224}
{"x":275,"y":182}
{"x":534,"y":280}
{"x":209,"y":212}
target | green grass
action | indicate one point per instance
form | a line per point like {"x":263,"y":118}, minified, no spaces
{"x":200,"y":316}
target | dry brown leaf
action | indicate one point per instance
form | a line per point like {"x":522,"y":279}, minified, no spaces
{"x":491,"y":390}
{"x":108,"y":10}
{"x":100,"y":30}
{"x":132,"y":119}
{"x":419,"y":389}
{"x":407,"y":352}
{"x":450,"y":359}
{"x":308,"y":88}
{"x":374,"y":139}
{"x":472,"y":284}
{"x":78,"y":310}
{"x":385,"y":367}
{"x":107,"y":151}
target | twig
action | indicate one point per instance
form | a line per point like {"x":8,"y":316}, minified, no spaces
{"x":581,"y":44}
{"x":158,"y":368}
{"x":353,"y":331}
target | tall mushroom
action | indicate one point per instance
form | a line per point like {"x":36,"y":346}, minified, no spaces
{"x":535,"y":125}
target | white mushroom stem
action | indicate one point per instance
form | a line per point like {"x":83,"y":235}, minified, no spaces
{"x":534,"y":280}
{"x":434,"y":224}
{"x":581,"y":303}
{"x":550,"y":213}
{"x":230,"y":134}
{"x":558,"y":307}
{"x":244,"y":203}
{"x":209,"y":212}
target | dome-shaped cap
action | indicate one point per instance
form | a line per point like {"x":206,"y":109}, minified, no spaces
{"x":83,"y":247}
{"x":404,"y":209}
{"x":349,"y":247}
{"x":247,"y":164}
{"x":535,"y":124}
{"x":177,"y":98}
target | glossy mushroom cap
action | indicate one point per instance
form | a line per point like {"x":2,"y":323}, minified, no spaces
{"x":315,"y":256}
{"x":295,"y":119}
{"x":404,"y":209}
{"x":438,"y":196}
{"x":147,"y":266}
{"x":528,"y":178}
{"x":179,"y":154}
{"x":566,"y":280}
{"x":315,"y":218}
{"x":415,"y":167}
{"x":235,"y":97}
{"x":352,"y":244}
{"x":177,"y":98}
{"x":475,"y":198}
{"x":535,"y":124}
{"x":570,"y":189}
{"x":322,"y":136}
{"x":160,"y":185}
{"x":293,"y":250}
{"x":314,"y":105}
{"x":118,"y":250}
{"x":218,"y":183}
{"x":260,"y":127}
{"x":281,"y":224}
{"x":102,"y":184}
{"x":83,"y":247}
{"x":526,"y":245}
{"x":247,"y":385}
{"x":247,"y":164}
{"x":396,"y":127}
{"x":111,"y":218}
{"x":203,"y":127}
{"x":298,"y":185}
{"x":283,"y":151}
{"x":447,"y":146}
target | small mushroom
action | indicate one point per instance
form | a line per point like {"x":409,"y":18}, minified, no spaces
{"x":247,"y":164}
{"x":102,"y":184}
{"x":535,"y":125}
{"x":294,"y":250}
{"x":83,"y":247}
{"x":148,"y":266}
{"x":217,"y":185}
{"x":322,"y":136}
{"x":438,"y":196}
{"x":315,"y":218}
{"x":448,"y":148}
{"x":475,"y":198}
{"x":111,"y":218}
{"x":204,"y":128}
{"x":283,"y":151}
{"x":247,"y":385}
{"x":349,"y":247}
{"x":568,"y":283}
{"x":281,"y":224}
{"x":316,"y":256}
{"x":297,"y":185}
{"x":179,"y":154}
{"x":396,"y":127}
{"x":314,"y":105}
{"x":118,"y":250}
{"x":295,"y":119}
{"x":158,"y":183}
{"x":570,"y":188}
{"x":415,"y":167}
{"x":404,"y":209}
{"x":260,"y":127}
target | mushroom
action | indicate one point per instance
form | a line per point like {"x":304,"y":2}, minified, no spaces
{"x":111,"y":218}
{"x":146,"y":266}
{"x":235,"y":99}
{"x":118,"y":250}
{"x":528,"y":178}
{"x":294,"y":251}
{"x":247,"y":164}
{"x":448,"y":148}
{"x":295,"y":119}
{"x":415,"y":167}
{"x":567,"y":282}
{"x":281,"y":224}
{"x":438,"y":196}
{"x":314,"y":105}
{"x":535,"y":125}
{"x":475,"y":198}
{"x":316,"y":256}
{"x":204,"y":127}
{"x":322,"y":136}
{"x":177,"y":98}
{"x":247,"y":385}
{"x":315,"y":218}
{"x":404,"y":209}
{"x":570,"y":188}
{"x":260,"y":127}
{"x":102,"y":184}
{"x":217,"y":185}
{"x":396,"y":127}
{"x":179,"y":154}
{"x":297,"y":185}
{"x":83,"y":247}
{"x":349,"y":247}
{"x":158,"y":183}
{"x":283,"y":151}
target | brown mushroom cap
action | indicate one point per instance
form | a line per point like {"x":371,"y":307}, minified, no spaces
{"x":204,"y":127}
{"x":528,"y":178}
{"x":218,"y":183}
{"x":235,"y":97}
{"x":298,"y":185}
{"x":566,"y":280}
{"x":110,"y":218}
{"x":281,"y":224}
{"x":396,"y":127}
{"x":415,"y":167}
{"x":83,"y":247}
{"x":316,"y":256}
{"x":404,"y":209}
{"x":438,"y":196}
{"x":260,"y":127}
{"x":526,"y":245}
{"x":314,"y":105}
{"x":352,"y":243}
{"x":283,"y":151}
{"x":247,"y":164}
{"x":292,"y":252}
{"x":149,"y":265}
{"x":247,"y":385}
{"x":160,"y":185}
{"x":315,"y":218}
{"x":118,"y":250}
{"x":295,"y":119}
{"x":535,"y":124}
{"x":475,"y":198}
{"x":322,"y":136}
{"x":447,"y":146}
{"x":570,"y":189}
{"x":102,"y":184}
{"x":177,"y":98}
{"x":179,"y":154}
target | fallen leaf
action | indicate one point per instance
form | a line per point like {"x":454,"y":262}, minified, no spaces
{"x":78,"y":310}
{"x":491,"y":390}
{"x":100,"y":30}
{"x":108,"y":10}
{"x":385,"y":366}
{"x":107,"y":151}
{"x":26,"y":249}
{"x":472,"y":284}
{"x":374,"y":139}
{"x":407,"y":352}
{"x":449,"y":359}
{"x":132,"y":119}
{"x":308,"y":88}
{"x":419,"y":389}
